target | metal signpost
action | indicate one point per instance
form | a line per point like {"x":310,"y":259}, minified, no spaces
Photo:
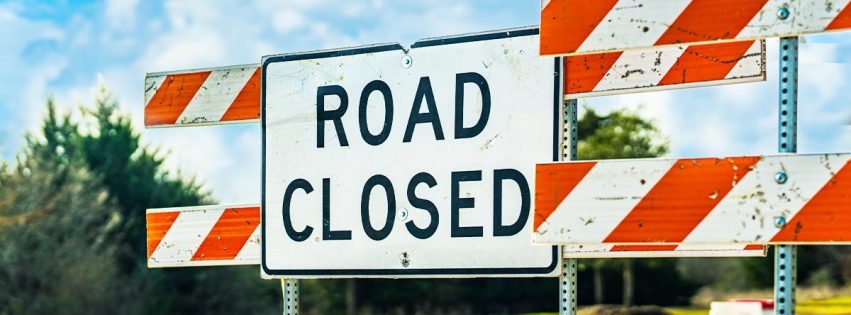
{"x":570,"y":266}
{"x":785,"y":256}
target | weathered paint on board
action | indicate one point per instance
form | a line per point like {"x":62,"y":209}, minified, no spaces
{"x":785,"y":199}
{"x":581,"y":26}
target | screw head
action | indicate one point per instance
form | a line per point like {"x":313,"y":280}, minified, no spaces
{"x":781,"y":177}
{"x":403,"y":214}
{"x":780,"y":221}
{"x":783,"y":13}
{"x":407,"y":61}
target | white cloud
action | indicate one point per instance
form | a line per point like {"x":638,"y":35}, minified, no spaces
{"x":228,"y":164}
{"x":287,"y":20}
{"x":189,"y":49}
{"x":121,"y":14}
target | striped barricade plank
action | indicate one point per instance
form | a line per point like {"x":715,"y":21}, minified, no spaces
{"x":203,"y":236}
{"x":664,"y":68}
{"x":203,"y":97}
{"x":581,"y":26}
{"x":663,"y":251}
{"x":232,"y":94}
{"x":785,"y":199}
{"x":229,"y":235}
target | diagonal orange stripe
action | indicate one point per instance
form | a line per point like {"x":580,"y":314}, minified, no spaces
{"x":825,"y":217}
{"x":708,"y":20}
{"x":565,"y":24}
{"x":172,"y":97}
{"x":584,"y":72}
{"x":681,"y":200}
{"x":229,"y":235}
{"x":702,"y":63}
{"x":842,"y":20}
{"x":553,"y":182}
{"x":158,"y":225}
{"x":247,"y":102}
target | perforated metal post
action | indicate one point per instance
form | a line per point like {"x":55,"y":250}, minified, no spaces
{"x":785,"y":256}
{"x":567,"y":280}
{"x":289,"y":288}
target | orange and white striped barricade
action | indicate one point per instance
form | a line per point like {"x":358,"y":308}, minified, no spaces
{"x":203,"y":236}
{"x":784,"y":199}
{"x":664,"y":68}
{"x":577,"y":27}
{"x":581,"y":27}
{"x":230,"y":95}
{"x":229,"y":235}
{"x":203,"y":97}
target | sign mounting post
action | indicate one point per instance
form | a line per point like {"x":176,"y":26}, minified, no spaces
{"x":785,"y":256}
{"x":570,"y":266}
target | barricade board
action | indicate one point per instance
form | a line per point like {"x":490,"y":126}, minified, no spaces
{"x":203,"y":236}
{"x":581,"y":26}
{"x":202,"y":97}
{"x":230,"y":235}
{"x":784,"y":199}
{"x":228,"y":95}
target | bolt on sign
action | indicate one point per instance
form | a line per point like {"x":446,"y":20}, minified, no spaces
{"x":785,"y":199}
{"x":581,"y":26}
{"x":381,"y":161}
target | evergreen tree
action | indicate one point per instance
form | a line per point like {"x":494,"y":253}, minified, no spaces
{"x":75,"y":183}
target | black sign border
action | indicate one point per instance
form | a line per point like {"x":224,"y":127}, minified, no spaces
{"x":444,"y":272}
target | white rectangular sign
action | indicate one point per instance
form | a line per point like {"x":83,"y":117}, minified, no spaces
{"x":381,"y":161}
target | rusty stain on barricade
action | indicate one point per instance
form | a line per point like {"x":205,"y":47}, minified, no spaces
{"x":229,"y":95}
{"x":220,"y":95}
{"x":661,"y":68}
{"x":583,"y":27}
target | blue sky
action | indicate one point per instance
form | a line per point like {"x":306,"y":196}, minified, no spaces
{"x":67,"y":49}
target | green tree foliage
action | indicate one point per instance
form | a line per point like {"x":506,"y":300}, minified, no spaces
{"x":55,"y":219}
{"x":622,"y":134}
{"x":618,"y":135}
{"x":72,"y":228}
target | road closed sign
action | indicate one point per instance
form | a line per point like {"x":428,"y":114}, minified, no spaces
{"x":381,"y":161}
